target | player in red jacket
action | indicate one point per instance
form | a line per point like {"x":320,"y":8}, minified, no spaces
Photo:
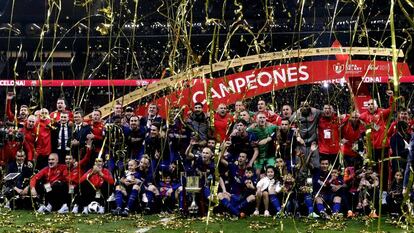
{"x":222,"y":122}
{"x":51,"y":182}
{"x":328,"y":135}
{"x":61,"y":107}
{"x":43,"y":139}
{"x":75,"y":173}
{"x":95,"y":185}
{"x":376,"y":120}
{"x":351,"y":131}
{"x":23,"y":111}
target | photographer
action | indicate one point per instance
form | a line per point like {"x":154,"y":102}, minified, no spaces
{"x":10,"y":142}
{"x":19,"y":186}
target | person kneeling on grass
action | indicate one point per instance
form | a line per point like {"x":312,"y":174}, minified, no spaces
{"x":95,"y":185}
{"x":51,"y":184}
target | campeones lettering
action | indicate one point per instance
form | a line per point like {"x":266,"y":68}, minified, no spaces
{"x":263,"y":79}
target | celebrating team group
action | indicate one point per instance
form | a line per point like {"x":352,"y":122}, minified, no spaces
{"x":308,"y":162}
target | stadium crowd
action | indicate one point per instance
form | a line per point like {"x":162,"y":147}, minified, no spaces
{"x":300,"y":162}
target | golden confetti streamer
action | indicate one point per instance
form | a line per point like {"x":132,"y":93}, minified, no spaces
{"x":103,"y":28}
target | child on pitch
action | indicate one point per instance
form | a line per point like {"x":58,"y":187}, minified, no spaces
{"x":124,"y":189}
{"x":395,"y":195}
{"x":368,"y":186}
{"x":262,"y":193}
{"x":275,"y":194}
{"x":167,"y":188}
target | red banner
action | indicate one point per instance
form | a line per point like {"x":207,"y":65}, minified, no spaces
{"x":77,"y":83}
{"x":252,"y":83}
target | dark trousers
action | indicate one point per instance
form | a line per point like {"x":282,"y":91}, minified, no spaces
{"x":41,"y":161}
{"x":87,"y":194}
{"x":56,"y":197}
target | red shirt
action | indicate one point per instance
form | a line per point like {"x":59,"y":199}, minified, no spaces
{"x":98,"y":132}
{"x":10,"y":114}
{"x":75,"y":173}
{"x":9,"y":150}
{"x":377,"y":120}
{"x":271,"y":117}
{"x":50,"y":175}
{"x":43,"y":143}
{"x":97,"y":180}
{"x":55,"y":116}
{"x":29,"y":141}
{"x":351,"y":134}
{"x":328,"y":135}
{"x":221,"y":125}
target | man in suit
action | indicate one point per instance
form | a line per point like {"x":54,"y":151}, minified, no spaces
{"x":152,"y":117}
{"x":80,"y":131}
{"x":19,"y":187}
{"x":61,"y":137}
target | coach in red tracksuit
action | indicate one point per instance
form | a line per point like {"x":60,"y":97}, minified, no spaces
{"x":222,"y":122}
{"x":376,"y":120}
{"x":61,"y":107}
{"x":23,"y":112}
{"x":328,"y":135}
{"x":29,"y":132}
{"x":51,"y":182}
{"x":43,"y":140}
{"x":351,"y":131}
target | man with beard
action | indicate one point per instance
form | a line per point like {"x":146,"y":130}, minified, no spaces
{"x":306,"y":119}
{"x":23,"y":111}
{"x":135,"y":139}
{"x":328,"y":135}
{"x":52,"y":183}
{"x":61,"y":107}
{"x":351,"y":132}
{"x":199,"y":122}
{"x":222,"y":122}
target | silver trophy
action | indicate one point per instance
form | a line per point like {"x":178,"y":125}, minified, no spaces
{"x":193,"y":187}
